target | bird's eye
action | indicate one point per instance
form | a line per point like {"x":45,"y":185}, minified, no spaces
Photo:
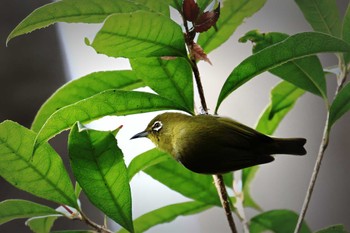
{"x":157,"y":126}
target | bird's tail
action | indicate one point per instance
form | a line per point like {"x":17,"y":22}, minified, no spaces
{"x":292,"y":146}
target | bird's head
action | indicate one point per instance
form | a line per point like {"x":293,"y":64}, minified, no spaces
{"x":162,"y":129}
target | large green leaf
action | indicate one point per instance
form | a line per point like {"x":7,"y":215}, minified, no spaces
{"x":340,"y":105}
{"x":323,"y":16}
{"x":42,"y":224}
{"x":140,"y":34}
{"x":277,"y":221}
{"x":169,"y":78}
{"x":232,"y":15}
{"x":346,"y":32}
{"x":294,"y":47}
{"x":73,"y":11}
{"x":83,"y":88}
{"x":15,"y":209}
{"x":283,"y":98}
{"x":166,"y":214}
{"x":110,"y":102}
{"x":98,"y":165}
{"x":42,"y":173}
{"x":145,"y":160}
{"x":192,"y":185}
{"x":306,"y":73}
{"x":333,"y":229}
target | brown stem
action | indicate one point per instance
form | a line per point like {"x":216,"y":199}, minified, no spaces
{"x":218,"y":179}
{"x":94,"y":225}
{"x":199,"y":85}
{"x":220,"y":186}
{"x":313,"y":179}
{"x":325,"y":139}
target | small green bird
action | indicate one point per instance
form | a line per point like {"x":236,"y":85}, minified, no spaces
{"x":215,"y":145}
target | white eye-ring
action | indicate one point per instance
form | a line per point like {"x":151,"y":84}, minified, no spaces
{"x":157,"y":126}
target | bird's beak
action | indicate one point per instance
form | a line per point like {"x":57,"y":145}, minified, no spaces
{"x":140,"y":135}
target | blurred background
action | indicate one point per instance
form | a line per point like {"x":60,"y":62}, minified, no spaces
{"x":33,"y":66}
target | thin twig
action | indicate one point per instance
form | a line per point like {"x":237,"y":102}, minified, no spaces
{"x":323,"y":146}
{"x":218,"y":179}
{"x":94,"y":225}
{"x":325,"y":140}
{"x":220,"y":186}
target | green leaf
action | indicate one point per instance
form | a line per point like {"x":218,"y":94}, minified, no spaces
{"x":323,"y":16}
{"x":110,"y":102}
{"x":140,"y":34}
{"x":83,"y":88}
{"x":283,"y":98}
{"x":167,"y":214}
{"x":346,"y":32}
{"x":15,"y":209}
{"x":192,"y":185}
{"x":98,"y":165}
{"x":340,"y":105}
{"x":232,"y":14}
{"x":145,"y":160}
{"x":155,"y":6}
{"x":73,"y":11}
{"x":171,"y":79}
{"x":42,"y":224}
{"x":277,"y":221}
{"x":248,"y":175}
{"x":42,"y":173}
{"x":306,"y":73}
{"x":294,"y":47}
{"x":333,"y":229}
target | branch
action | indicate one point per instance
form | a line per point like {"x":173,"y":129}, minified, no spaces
{"x":323,"y":146}
{"x":220,"y":186}
{"x":324,"y":143}
{"x":94,"y":225}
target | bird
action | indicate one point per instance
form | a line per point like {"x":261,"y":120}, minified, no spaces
{"x":210,"y":144}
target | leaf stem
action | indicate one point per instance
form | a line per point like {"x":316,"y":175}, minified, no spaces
{"x":323,"y":147}
{"x":220,"y":186}
{"x":324,"y":143}
{"x":218,"y":179}
{"x":94,"y":225}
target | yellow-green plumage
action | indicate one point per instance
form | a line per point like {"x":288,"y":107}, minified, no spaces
{"x":215,"y":145}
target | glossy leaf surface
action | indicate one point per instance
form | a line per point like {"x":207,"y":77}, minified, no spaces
{"x":41,"y":224}
{"x":346,"y":32}
{"x":283,"y":98}
{"x":73,"y":11}
{"x":192,"y":185}
{"x":167,"y":214}
{"x":99,"y":167}
{"x":140,"y":34}
{"x":296,"y":46}
{"x":15,"y":209}
{"x":83,"y":88}
{"x":306,"y":73}
{"x":111,"y":102}
{"x":323,"y":16}
{"x":171,"y":79}
{"x":42,"y":173}
{"x":340,"y":105}
{"x":277,"y":221}
{"x":145,"y":160}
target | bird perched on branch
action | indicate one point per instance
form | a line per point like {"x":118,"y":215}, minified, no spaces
{"x":215,"y":145}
